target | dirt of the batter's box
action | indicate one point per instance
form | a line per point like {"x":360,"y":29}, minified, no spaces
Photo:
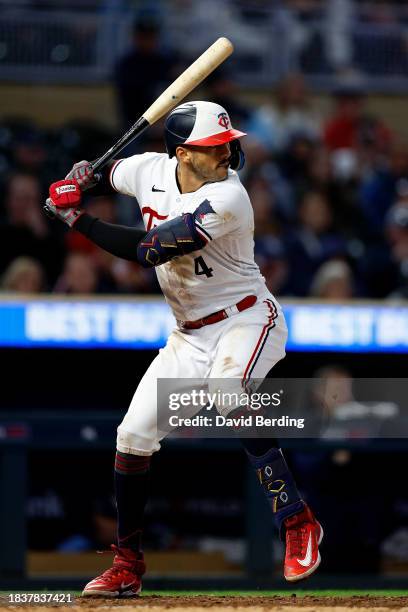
{"x":203,"y":601}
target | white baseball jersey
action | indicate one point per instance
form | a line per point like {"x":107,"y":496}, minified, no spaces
{"x":224,"y":271}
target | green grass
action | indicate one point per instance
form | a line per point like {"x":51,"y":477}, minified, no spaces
{"x":299,"y":593}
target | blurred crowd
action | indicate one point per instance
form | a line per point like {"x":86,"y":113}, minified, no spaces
{"x":329,"y":196}
{"x":330,"y":193}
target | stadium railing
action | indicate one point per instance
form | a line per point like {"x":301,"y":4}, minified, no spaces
{"x":80,"y":45}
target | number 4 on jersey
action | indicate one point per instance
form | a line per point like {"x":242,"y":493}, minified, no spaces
{"x":200,"y":267}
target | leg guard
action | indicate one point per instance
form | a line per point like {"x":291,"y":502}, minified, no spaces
{"x":278,"y":484}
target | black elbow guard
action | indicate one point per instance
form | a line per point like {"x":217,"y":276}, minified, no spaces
{"x":171,"y":239}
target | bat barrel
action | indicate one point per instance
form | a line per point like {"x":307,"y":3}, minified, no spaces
{"x":183,"y":85}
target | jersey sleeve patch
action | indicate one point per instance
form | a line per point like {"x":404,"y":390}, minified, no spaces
{"x":203,"y":209}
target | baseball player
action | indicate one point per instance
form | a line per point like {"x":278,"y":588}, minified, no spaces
{"x":199,"y":237}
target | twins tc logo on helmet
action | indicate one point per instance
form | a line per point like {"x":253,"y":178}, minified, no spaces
{"x":223,"y":120}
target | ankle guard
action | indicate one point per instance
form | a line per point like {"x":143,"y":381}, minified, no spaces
{"x":278,"y":484}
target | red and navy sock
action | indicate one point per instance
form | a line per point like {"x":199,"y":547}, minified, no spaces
{"x":131,"y":488}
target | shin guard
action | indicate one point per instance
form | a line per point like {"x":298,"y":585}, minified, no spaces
{"x":278,"y":484}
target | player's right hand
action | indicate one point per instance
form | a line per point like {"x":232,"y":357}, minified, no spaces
{"x":84,"y":174}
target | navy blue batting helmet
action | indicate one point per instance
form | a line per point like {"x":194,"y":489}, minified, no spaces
{"x":202,"y":124}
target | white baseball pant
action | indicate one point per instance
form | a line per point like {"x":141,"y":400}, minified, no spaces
{"x":243,"y":347}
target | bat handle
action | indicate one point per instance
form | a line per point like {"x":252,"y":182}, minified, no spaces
{"x":137,"y":128}
{"x":99,"y":163}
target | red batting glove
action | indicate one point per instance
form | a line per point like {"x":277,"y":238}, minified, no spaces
{"x":65,"y":194}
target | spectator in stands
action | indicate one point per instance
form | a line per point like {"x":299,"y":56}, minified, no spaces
{"x":380,"y":189}
{"x":264,"y":203}
{"x":274,"y":124}
{"x":341,"y":190}
{"x":341,"y":129}
{"x":145,"y":71}
{"x":271,"y":258}
{"x":350,"y":127}
{"x":25,"y":229}
{"x":30,"y":150}
{"x":331,"y":388}
{"x":333,"y":281}
{"x":78,"y":138}
{"x":319,"y":169}
{"x":348,"y":407}
{"x":22,"y":204}
{"x":384,"y":266}
{"x":118,"y":275}
{"x":223,"y":90}
{"x":397,"y":236}
{"x":132,"y":278}
{"x":312,"y":242}
{"x":293,"y":162}
{"x":23,"y":275}
{"x":264,"y":176}
{"x":79,"y":275}
{"x":23,"y":146}
{"x":115,"y":275}
{"x":102,"y":207}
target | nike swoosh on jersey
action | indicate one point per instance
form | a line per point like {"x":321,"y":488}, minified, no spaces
{"x":154,"y":188}
{"x":308,"y":557}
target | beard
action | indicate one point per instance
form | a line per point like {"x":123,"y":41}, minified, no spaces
{"x":208,"y":175}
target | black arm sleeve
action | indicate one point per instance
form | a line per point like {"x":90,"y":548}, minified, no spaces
{"x":119,"y":240}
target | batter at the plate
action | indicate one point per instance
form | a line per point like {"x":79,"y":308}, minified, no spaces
{"x":199,"y":237}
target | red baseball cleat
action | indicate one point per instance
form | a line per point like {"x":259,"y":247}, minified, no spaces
{"x":303,"y":536}
{"x":123,"y":579}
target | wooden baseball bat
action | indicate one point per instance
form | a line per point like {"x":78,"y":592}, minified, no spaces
{"x":186,"y":82}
